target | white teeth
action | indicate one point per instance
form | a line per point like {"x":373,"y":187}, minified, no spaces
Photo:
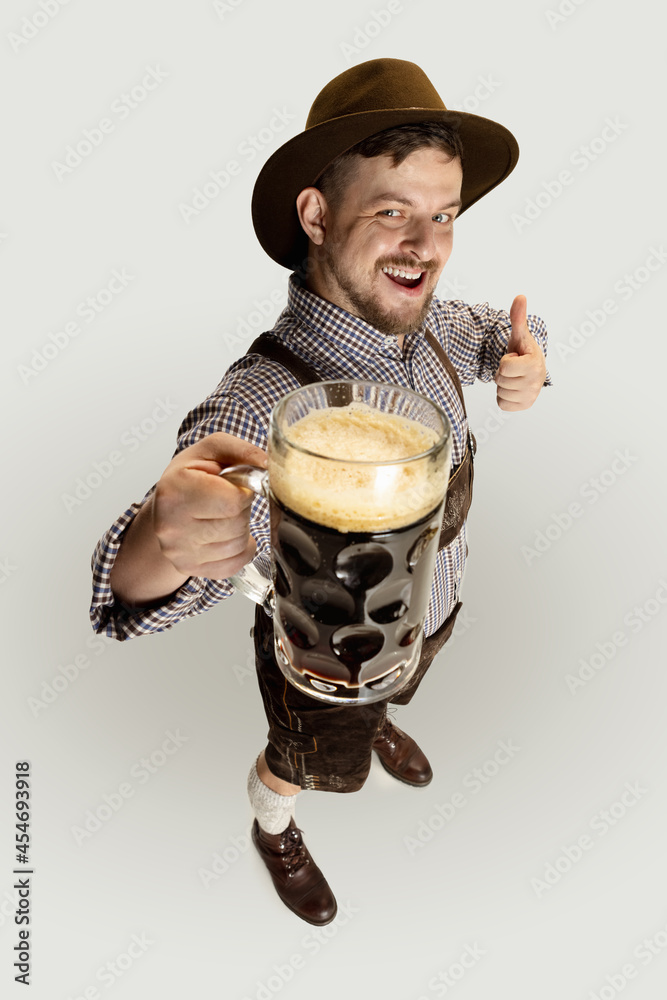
{"x":400,"y":273}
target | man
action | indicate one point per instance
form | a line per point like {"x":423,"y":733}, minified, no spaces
{"x":361,"y":206}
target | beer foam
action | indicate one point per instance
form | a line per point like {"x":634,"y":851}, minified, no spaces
{"x":338,"y":490}
{"x":360,"y":433}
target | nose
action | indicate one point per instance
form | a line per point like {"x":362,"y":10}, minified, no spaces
{"x":418,"y":238}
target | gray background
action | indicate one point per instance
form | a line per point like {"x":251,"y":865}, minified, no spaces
{"x":413,"y":905}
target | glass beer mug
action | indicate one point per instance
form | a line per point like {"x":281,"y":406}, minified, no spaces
{"x":356,"y":482}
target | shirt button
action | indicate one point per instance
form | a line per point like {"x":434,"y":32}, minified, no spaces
{"x":390,"y":345}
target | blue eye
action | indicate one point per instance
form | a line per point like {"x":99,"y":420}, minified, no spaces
{"x":442,"y":217}
{"x":386,"y":211}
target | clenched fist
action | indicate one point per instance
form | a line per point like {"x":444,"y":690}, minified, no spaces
{"x":201,"y":521}
{"x":195,"y":524}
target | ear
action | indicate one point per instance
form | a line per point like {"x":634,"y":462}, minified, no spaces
{"x":311,"y":206}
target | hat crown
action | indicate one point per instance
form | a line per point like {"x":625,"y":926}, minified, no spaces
{"x":375,"y":85}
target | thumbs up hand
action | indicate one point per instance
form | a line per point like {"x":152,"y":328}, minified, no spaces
{"x":522,"y":368}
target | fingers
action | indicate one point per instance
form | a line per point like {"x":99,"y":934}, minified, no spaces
{"x":511,"y":406}
{"x":215,"y":547}
{"x":220,"y":561}
{"x":516,"y":394}
{"x":225,"y":450}
{"x":529,"y":367}
{"x":211,"y":496}
{"x":508,"y":392}
{"x":202,"y":522}
{"x":511,"y":366}
{"x":186,"y":498}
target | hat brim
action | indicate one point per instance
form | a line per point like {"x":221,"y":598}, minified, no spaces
{"x":490,"y":153}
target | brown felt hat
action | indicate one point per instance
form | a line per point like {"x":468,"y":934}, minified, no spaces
{"x":359,"y":102}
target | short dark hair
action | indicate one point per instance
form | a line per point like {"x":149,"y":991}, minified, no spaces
{"x":397,"y":142}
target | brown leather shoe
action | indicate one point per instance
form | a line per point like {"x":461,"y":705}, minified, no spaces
{"x":400,"y":755}
{"x":298,"y":881}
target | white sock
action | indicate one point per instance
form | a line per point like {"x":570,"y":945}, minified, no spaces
{"x":273,"y":811}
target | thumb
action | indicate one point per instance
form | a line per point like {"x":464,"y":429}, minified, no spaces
{"x":218,"y":451}
{"x":521,"y":339}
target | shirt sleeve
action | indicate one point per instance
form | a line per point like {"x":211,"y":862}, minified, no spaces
{"x":476,"y":338}
{"x":219,"y":412}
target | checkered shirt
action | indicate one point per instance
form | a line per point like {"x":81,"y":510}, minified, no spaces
{"x":339,"y":346}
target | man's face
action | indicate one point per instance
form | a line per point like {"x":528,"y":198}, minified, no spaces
{"x":390,"y":219}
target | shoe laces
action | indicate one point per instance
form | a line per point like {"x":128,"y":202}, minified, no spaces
{"x":293,"y":851}
{"x":389,"y":730}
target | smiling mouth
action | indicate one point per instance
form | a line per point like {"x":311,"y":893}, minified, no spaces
{"x":406,"y":278}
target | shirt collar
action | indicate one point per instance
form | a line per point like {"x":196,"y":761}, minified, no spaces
{"x":323,"y":317}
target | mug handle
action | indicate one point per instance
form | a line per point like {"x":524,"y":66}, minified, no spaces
{"x":249,"y":580}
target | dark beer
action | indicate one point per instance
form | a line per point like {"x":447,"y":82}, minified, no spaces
{"x":357,"y":476}
{"x":349,"y":606}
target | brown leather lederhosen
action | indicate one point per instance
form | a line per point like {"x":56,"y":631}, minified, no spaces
{"x":315,"y":744}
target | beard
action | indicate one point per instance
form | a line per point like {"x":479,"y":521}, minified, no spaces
{"x":366,"y":305}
